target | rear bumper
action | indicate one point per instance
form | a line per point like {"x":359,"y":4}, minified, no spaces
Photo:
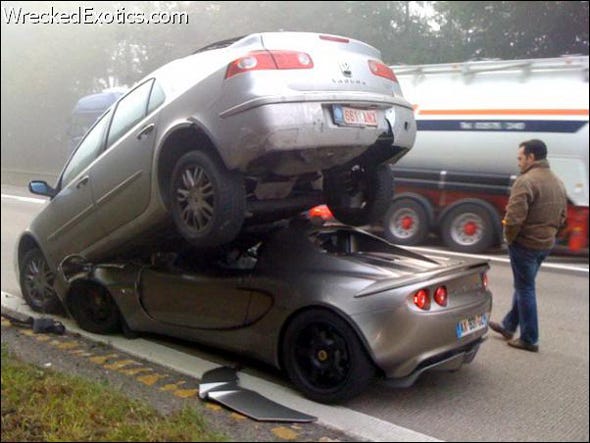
{"x":403,"y":339}
{"x":302,"y":128}
{"x":350,"y":98}
{"x":450,"y":361}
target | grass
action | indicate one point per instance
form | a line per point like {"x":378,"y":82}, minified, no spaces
{"x":44,"y":405}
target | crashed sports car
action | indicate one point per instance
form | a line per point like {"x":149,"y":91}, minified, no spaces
{"x":241,"y":132}
{"x":332,"y":306}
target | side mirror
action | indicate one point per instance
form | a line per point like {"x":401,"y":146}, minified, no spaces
{"x":41,"y":187}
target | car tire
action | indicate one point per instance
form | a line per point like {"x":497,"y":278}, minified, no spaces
{"x":36,"y":281}
{"x":208,"y":202}
{"x":406,"y":223}
{"x":324,"y":358}
{"x":359,"y":195}
{"x":93,"y":308}
{"x":468,"y":227}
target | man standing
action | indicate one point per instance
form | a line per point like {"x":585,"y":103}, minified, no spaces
{"x":536,"y":210}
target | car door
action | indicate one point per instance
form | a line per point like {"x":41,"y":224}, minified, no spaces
{"x":69,"y":223}
{"x":122,"y":185}
{"x":201,"y":300}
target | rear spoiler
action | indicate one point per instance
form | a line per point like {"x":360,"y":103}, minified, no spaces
{"x":461,"y":269}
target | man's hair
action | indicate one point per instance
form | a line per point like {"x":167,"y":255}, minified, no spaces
{"x":535,"y":147}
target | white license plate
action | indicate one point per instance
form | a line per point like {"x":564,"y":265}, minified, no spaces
{"x":470,"y":325}
{"x":344,"y":116}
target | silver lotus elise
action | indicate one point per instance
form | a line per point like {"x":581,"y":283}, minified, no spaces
{"x":332,"y":306}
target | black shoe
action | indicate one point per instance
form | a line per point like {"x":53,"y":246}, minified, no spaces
{"x":497,"y":327}
{"x":521,"y":344}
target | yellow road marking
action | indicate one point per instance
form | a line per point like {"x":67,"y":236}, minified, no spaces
{"x":67,"y":345}
{"x":119,"y":364}
{"x":134,"y":371}
{"x":285,"y":433}
{"x":150,"y":379}
{"x":172,"y":386}
{"x":185,"y":393}
{"x":80,"y":353}
{"x":237,"y":416}
{"x":42,"y":338}
{"x":101,"y":359}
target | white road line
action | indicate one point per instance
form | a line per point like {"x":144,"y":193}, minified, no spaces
{"x":494,"y":259}
{"x":24,"y":199}
{"x":357,"y":424}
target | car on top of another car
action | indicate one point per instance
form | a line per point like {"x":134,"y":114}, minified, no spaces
{"x":241,"y":132}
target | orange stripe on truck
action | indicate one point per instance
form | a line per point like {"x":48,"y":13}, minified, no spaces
{"x":502,"y":111}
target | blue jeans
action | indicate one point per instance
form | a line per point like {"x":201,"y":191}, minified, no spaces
{"x":525,"y":264}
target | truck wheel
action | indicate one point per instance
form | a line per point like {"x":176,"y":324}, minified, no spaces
{"x":468,"y":228}
{"x":359,"y":195}
{"x":36,"y":282}
{"x":406,"y":222}
{"x":207,"y":201}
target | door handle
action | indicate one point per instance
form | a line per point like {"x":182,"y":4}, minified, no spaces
{"x":82,"y":182}
{"x":145,"y":130}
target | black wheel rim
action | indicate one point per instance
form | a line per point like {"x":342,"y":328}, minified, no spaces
{"x":195,"y":196}
{"x":38,"y":281}
{"x":96,"y":306}
{"x":322,"y":356}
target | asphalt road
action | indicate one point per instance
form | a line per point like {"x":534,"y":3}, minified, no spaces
{"x":504,"y":395}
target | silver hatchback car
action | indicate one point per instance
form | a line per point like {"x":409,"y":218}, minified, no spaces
{"x":239,"y":133}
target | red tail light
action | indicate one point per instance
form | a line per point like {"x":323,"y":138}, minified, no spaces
{"x":441,"y":295}
{"x":264,"y":60}
{"x":421,"y":299}
{"x":382,"y":70}
{"x":484,"y":280}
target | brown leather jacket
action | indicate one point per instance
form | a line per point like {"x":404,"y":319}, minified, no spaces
{"x":537,"y":208}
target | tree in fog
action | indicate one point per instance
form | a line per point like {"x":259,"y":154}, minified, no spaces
{"x":511,"y":30}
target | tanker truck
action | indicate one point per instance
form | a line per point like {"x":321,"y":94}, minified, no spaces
{"x":471,"y":118}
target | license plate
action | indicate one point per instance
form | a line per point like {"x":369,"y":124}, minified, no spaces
{"x":470,"y":325}
{"x":345,"y":116}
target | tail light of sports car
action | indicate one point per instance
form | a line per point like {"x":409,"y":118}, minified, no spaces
{"x":265,"y":60}
{"x":441,"y":295}
{"x":422,"y":299}
{"x":382,"y":70}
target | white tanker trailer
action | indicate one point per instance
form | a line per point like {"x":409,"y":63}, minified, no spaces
{"x":471,"y":118}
